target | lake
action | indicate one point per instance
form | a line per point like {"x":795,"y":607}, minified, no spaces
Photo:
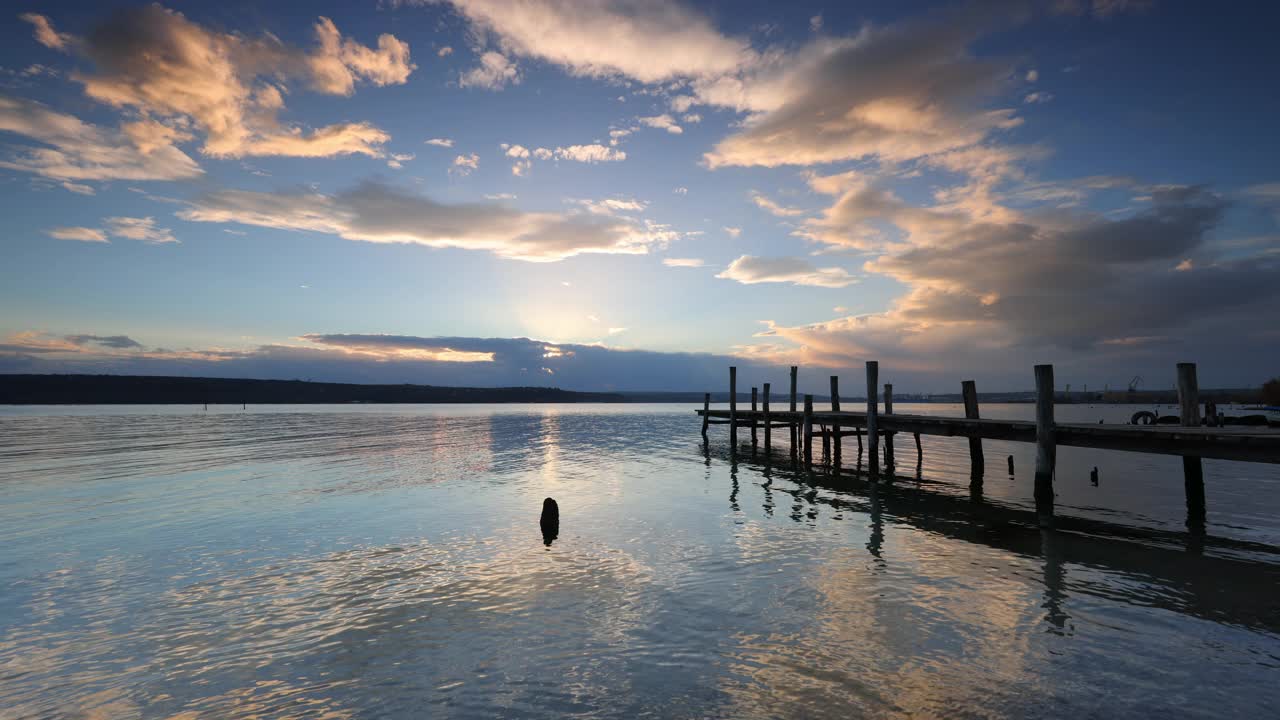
{"x":386,"y":561}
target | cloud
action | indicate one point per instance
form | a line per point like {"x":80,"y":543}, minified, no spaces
{"x":661,"y":122}
{"x":649,"y":41}
{"x":1103,"y":9}
{"x":774,"y":208}
{"x":119,"y":342}
{"x":377,"y":213}
{"x":440,"y":142}
{"x":397,"y":160}
{"x":45,"y":34}
{"x":616,"y":330}
{"x":464,"y":164}
{"x":589,"y":153}
{"x":680,"y":191}
{"x":891,"y":93}
{"x":1038,"y":97}
{"x":77,"y":188}
{"x":750,"y":270}
{"x":683,"y":262}
{"x":444,"y":51}
{"x":611,"y":206}
{"x":733,"y":232}
{"x":83,"y":234}
{"x":143,"y":228}
{"x":75,"y":150}
{"x":231,"y":87}
{"x":494,"y":72}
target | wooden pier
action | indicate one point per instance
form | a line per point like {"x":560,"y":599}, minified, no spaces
{"x":1190,"y":440}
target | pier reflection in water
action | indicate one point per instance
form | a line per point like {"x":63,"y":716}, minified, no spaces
{"x":387,"y":561}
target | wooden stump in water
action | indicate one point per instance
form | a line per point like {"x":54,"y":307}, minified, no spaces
{"x":550,"y":520}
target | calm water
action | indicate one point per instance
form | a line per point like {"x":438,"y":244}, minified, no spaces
{"x":385,"y":561}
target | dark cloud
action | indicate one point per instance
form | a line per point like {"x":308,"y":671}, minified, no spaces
{"x":119,"y":342}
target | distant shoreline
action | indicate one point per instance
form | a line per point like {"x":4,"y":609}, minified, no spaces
{"x":168,"y":390}
{"x":53,"y":389}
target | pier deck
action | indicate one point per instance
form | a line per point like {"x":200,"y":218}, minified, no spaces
{"x":1193,"y":438}
{"x":1246,"y":443}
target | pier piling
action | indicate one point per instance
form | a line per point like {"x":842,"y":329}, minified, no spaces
{"x":808,"y":430}
{"x":834,"y":429}
{"x":733,"y":408}
{"x":1046,"y":448}
{"x":889,"y":461}
{"x":706,"y":414}
{"x":1192,"y":466}
{"x":755,"y":437}
{"x":793,"y":428}
{"x":768,"y":423}
{"x":873,"y":410}
{"x":977,"y":462}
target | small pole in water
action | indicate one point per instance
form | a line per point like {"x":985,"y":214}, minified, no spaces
{"x":1010,"y":466}
{"x":1093,"y":476}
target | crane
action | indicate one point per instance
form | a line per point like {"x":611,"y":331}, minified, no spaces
{"x":1134,"y":383}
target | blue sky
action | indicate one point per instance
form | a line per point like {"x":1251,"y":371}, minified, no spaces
{"x":644,"y":191}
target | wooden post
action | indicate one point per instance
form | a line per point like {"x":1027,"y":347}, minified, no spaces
{"x":1046,"y":448}
{"x":919,"y":451}
{"x":873,"y":408}
{"x":888,"y":438}
{"x":768,"y":423}
{"x":834,"y":428}
{"x":755,"y":437}
{"x":977,"y":463}
{"x":794,"y":435}
{"x":808,"y":430}
{"x":733,"y":408}
{"x":706,"y":410}
{"x":1192,"y":467}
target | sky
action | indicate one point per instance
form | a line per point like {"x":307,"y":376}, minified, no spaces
{"x":636,"y":194}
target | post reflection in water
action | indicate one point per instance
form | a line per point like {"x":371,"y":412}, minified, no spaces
{"x":361,"y":562}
